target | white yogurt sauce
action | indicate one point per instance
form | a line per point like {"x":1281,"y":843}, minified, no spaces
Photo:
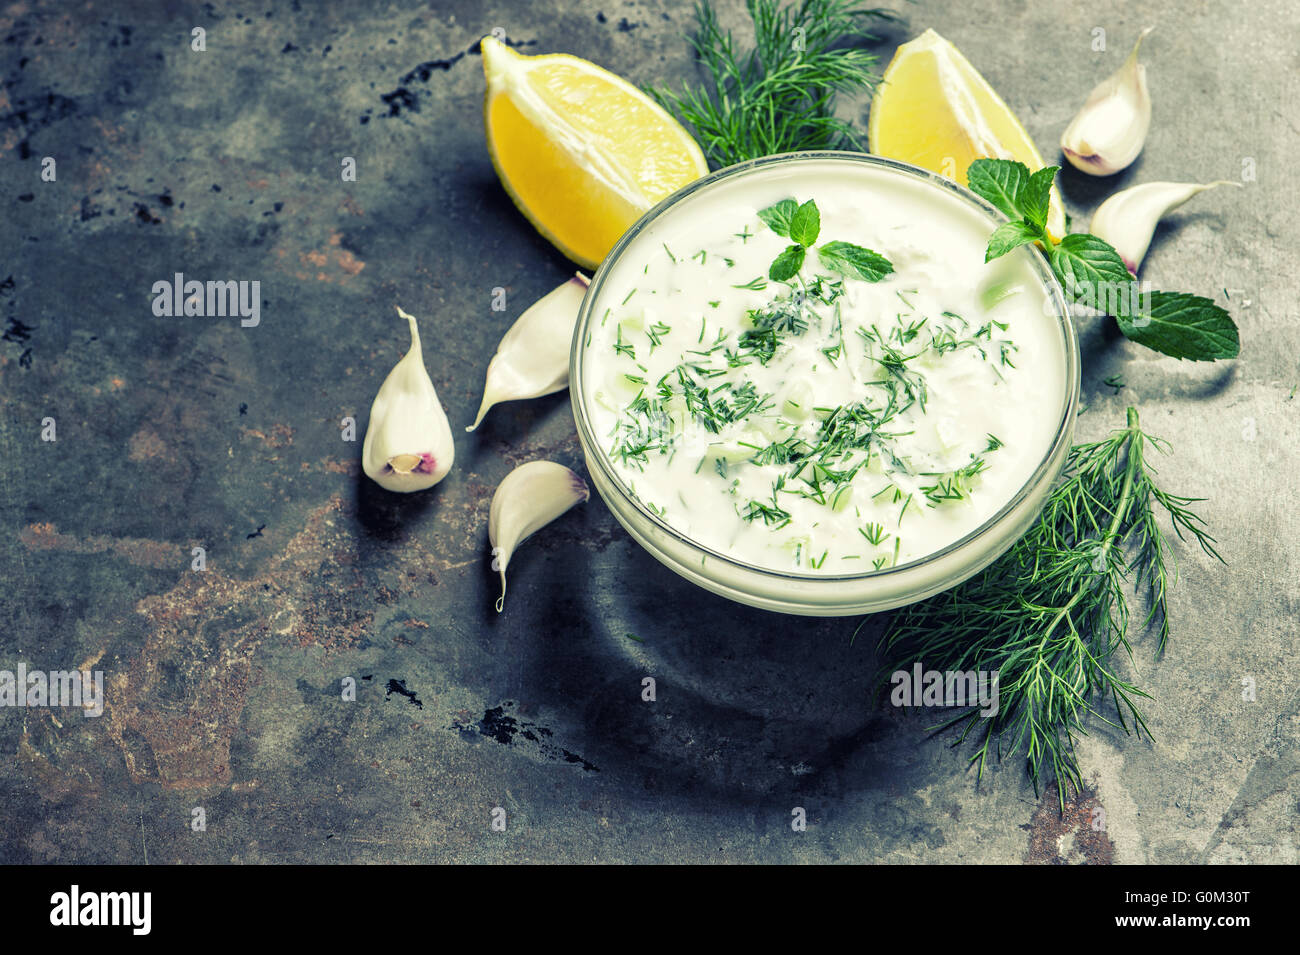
{"x":873,"y":423}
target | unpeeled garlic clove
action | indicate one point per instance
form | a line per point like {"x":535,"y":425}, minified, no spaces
{"x":1109,"y":131}
{"x":533,"y":357}
{"x":530,"y":497}
{"x":408,"y":445}
{"x":1128,"y":219}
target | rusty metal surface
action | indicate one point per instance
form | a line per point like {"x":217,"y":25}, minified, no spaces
{"x":224,"y":685}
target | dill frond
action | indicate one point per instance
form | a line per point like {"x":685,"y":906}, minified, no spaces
{"x":779,"y":96}
{"x":1050,"y":614}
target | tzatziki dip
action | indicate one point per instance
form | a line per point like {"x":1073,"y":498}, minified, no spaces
{"x":818,"y":373}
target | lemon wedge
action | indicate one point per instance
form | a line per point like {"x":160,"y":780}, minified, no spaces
{"x":934,"y":110}
{"x":582,"y":152}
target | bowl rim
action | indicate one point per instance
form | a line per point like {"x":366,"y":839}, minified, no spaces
{"x":588,"y":438}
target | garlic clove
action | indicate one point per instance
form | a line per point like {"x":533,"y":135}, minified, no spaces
{"x":408,"y":445}
{"x":1109,"y":131}
{"x":533,"y":357}
{"x":1128,"y":219}
{"x":530,"y":497}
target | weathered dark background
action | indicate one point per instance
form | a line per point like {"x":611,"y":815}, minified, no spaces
{"x":224,"y":685}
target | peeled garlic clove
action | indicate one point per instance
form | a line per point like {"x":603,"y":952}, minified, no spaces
{"x":408,"y":444}
{"x":1108,"y":133}
{"x":530,"y":497}
{"x":1128,"y":219}
{"x":533,"y":357}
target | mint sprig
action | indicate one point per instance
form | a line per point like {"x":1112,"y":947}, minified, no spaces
{"x":1092,"y":273}
{"x":803,"y":224}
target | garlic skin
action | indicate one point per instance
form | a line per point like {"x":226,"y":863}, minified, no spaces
{"x":1128,"y":219}
{"x":532,"y":358}
{"x":1109,"y":131}
{"x":408,"y":445}
{"x":530,"y":497}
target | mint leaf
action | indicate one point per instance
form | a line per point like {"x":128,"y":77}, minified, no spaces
{"x":1173,"y":323}
{"x":1182,"y":325}
{"x":1088,"y":268}
{"x":1000,"y":182}
{"x":805,"y":224}
{"x":1009,"y":186}
{"x":777,"y":217}
{"x":854,"y":261}
{"x":1011,"y":235}
{"x":787,"y":265}
{"x":1036,"y":194}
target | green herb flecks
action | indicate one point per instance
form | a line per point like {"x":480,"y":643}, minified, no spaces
{"x":623,"y":348}
{"x":953,"y":485}
{"x":645,"y":427}
{"x":780,"y":317}
{"x":875,"y":533}
{"x":655,"y":333}
{"x":771,"y":514}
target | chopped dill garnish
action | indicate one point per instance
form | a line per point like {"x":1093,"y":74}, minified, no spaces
{"x":655,"y":333}
{"x":621,"y":347}
{"x":875,"y":533}
{"x":771,"y":514}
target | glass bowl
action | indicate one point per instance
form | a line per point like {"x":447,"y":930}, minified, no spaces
{"x":812,"y":593}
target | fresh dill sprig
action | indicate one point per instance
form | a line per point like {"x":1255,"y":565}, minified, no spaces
{"x":1051,"y":613}
{"x":780,"y":95}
